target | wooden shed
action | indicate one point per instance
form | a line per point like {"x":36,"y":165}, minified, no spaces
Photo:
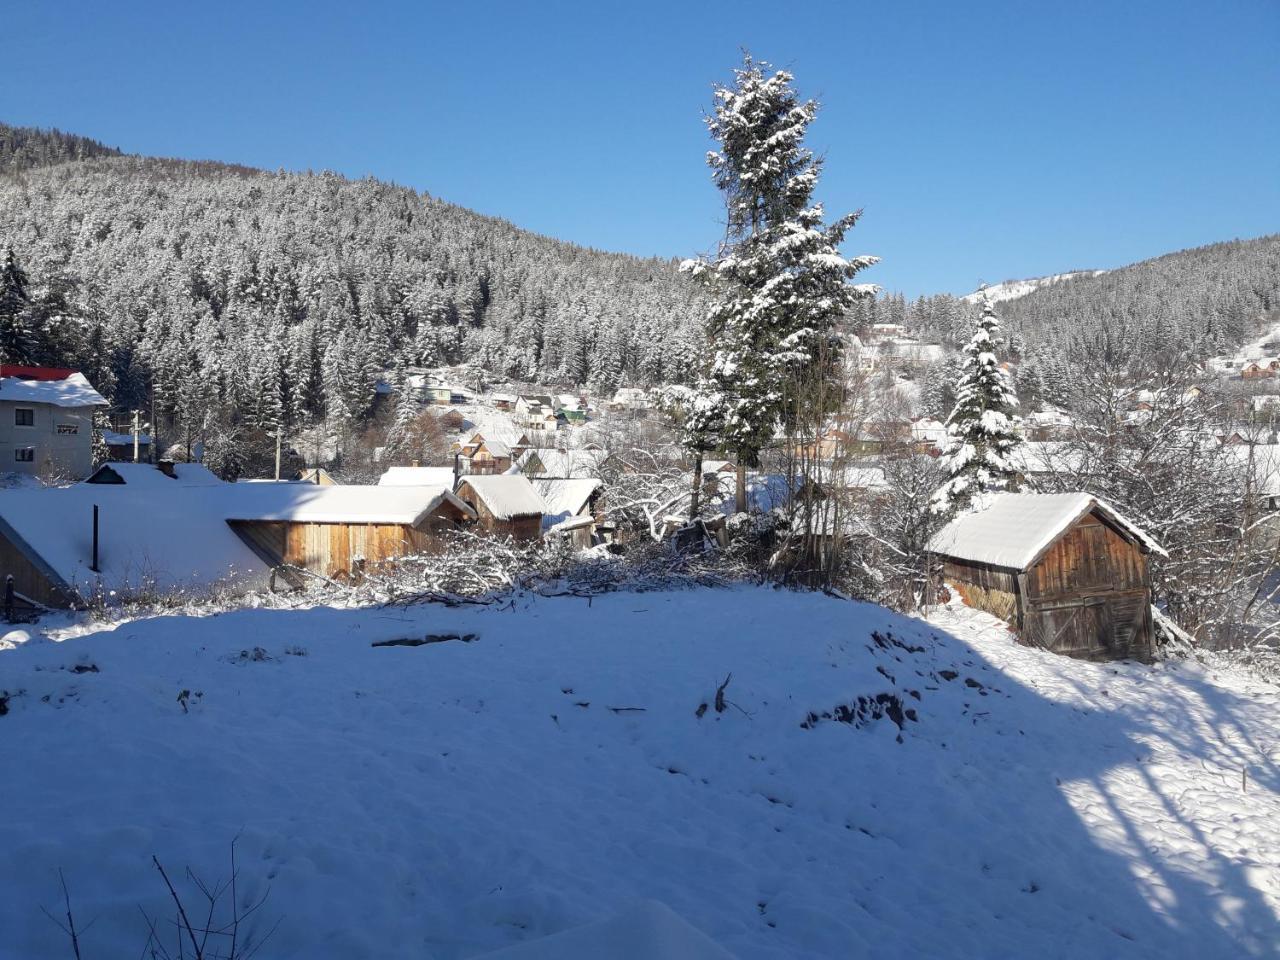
{"x":339,"y":531}
{"x":505,"y":505}
{"x":1066,"y":570}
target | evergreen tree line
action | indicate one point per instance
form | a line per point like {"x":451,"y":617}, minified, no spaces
{"x":22,"y":148}
{"x":203,"y":290}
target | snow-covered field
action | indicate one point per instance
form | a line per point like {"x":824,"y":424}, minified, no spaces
{"x":450,"y":799}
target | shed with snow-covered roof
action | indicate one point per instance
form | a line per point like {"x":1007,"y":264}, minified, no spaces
{"x":1067,"y":571}
{"x":339,"y":531}
{"x":505,"y":504}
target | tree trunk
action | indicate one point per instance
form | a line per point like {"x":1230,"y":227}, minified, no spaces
{"x":740,"y":489}
{"x":697,"y":486}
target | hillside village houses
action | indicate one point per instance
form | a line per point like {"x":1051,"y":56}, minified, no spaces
{"x":521,"y":466}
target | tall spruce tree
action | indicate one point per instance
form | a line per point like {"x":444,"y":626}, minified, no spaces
{"x":16,"y":344}
{"x":980,"y":430}
{"x":780,"y":284}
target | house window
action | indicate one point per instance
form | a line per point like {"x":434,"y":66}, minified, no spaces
{"x":24,"y":417}
{"x":25,"y":454}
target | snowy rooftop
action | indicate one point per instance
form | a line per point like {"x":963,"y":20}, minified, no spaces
{"x":162,"y":533}
{"x":313,"y":503}
{"x":507,"y":496}
{"x":567,"y":463}
{"x":173,"y":533}
{"x":1014,"y":529}
{"x":70,"y":391}
{"x":148,"y":475}
{"x":417,"y":477}
{"x":564,"y":498}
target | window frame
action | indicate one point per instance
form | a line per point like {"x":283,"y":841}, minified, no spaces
{"x":24,"y":426}
{"x":18,"y":454}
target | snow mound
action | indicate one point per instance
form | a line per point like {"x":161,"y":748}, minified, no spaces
{"x":446,"y":782}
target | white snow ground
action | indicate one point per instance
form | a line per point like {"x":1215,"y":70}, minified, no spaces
{"x":453,"y":799}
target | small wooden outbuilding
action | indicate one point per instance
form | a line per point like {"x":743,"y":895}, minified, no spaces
{"x":1067,"y":571}
{"x":505,"y":505}
{"x":339,"y":531}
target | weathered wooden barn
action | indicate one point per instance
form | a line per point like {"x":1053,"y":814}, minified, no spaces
{"x":505,"y":505}
{"x":339,"y":532}
{"x":135,"y":529}
{"x":1066,"y":570}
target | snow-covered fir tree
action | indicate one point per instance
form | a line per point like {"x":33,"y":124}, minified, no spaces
{"x":779,"y":282}
{"x":15,"y":313}
{"x":980,"y":430}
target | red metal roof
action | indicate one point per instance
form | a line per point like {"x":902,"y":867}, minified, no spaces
{"x":34,"y":373}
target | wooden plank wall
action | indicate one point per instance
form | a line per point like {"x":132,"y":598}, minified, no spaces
{"x":331,"y":549}
{"x":27,"y":579}
{"x":1089,"y":596}
{"x":1088,"y":558}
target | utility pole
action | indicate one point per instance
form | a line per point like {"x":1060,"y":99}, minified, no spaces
{"x":278,"y":432}
{"x":136,"y":429}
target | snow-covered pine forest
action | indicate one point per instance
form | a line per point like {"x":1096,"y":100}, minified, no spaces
{"x":1180,"y":307}
{"x":285,"y":295}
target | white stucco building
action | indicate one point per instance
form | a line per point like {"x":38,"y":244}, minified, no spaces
{"x":46,"y":421}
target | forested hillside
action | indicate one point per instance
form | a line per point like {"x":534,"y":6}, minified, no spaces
{"x":22,"y":148}
{"x":1188,"y":305}
{"x":282,"y":295}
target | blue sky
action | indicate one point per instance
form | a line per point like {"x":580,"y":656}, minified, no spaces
{"x":983,"y":140}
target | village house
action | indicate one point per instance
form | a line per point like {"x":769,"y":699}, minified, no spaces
{"x":504,"y":505}
{"x":452,"y":420}
{"x":46,"y":421}
{"x":135,"y":528}
{"x":1067,"y":572}
{"x":444,"y":395}
{"x":928,"y":435}
{"x":536,"y":412}
{"x":572,"y":508}
{"x":886,"y":330}
{"x":481,"y":455}
{"x":572,"y":408}
{"x":120,"y":446}
{"x":315,"y":475}
{"x":562,"y":463}
{"x":1046,"y":425}
{"x":1260,"y":369}
{"x":629,"y":399}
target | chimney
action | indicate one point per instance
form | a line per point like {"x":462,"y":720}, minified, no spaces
{"x":166,"y":467}
{"x":414,"y":463}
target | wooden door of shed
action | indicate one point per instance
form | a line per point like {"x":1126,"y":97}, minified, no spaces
{"x":1076,"y":628}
